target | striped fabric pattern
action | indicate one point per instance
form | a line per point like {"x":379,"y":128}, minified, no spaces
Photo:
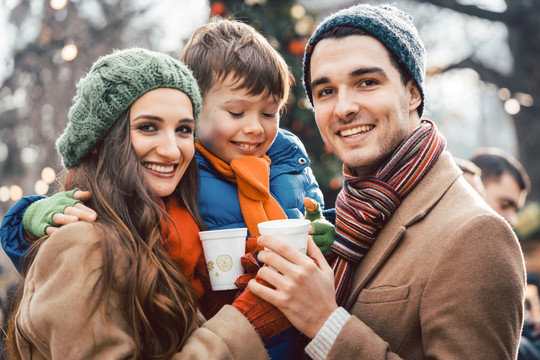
{"x":365,"y":204}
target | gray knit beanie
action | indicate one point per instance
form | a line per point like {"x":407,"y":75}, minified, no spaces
{"x":389,"y":25}
{"x":114,"y":82}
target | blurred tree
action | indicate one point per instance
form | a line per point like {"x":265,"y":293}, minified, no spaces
{"x":521,"y":86}
{"x":36,"y":95}
{"x":287,"y":25}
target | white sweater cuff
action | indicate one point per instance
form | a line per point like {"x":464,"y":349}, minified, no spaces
{"x":319,"y":347}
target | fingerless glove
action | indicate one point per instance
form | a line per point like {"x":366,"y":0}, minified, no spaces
{"x":38,"y":216}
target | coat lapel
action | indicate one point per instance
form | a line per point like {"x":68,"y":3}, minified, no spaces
{"x":415,"y":207}
{"x":379,"y":252}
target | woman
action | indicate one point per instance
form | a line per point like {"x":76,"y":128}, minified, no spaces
{"x":111,"y":289}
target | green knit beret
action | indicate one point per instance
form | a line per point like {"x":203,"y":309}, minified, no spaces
{"x":389,"y":25}
{"x":114,"y":82}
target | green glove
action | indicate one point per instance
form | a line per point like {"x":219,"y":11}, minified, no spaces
{"x":38,"y":216}
{"x":323,"y":230}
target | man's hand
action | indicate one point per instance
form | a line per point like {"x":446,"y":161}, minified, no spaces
{"x":304,"y":290}
{"x":73,"y":214}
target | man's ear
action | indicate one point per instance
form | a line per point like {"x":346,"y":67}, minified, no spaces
{"x":415,"y":98}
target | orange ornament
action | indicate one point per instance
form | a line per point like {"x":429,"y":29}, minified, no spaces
{"x":217,"y":8}
{"x":297,"y":126}
{"x":335,"y":183}
{"x":297,"y":46}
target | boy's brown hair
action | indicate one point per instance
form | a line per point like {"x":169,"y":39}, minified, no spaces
{"x":224,"y":47}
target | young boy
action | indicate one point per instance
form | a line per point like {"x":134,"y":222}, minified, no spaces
{"x":245,"y":85}
{"x":250,"y":170}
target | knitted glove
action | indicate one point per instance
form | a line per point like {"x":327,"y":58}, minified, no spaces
{"x":267,"y":320}
{"x":323,"y":234}
{"x":250,"y":264}
{"x":38,"y":216}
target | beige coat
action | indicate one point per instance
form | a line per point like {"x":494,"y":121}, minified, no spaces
{"x":445,"y":279}
{"x":57,"y":292}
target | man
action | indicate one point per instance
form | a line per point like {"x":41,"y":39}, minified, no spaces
{"x":504,"y":184}
{"x":423,"y":269}
{"x":505,"y":181}
{"x":507,"y":185}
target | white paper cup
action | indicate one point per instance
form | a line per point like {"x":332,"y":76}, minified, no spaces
{"x":292,"y":231}
{"x":222,"y":251}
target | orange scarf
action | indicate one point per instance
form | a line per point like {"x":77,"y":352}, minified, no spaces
{"x":184,"y":246}
{"x":251,"y":175}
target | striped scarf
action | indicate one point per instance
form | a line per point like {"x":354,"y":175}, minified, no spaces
{"x":365,"y":204}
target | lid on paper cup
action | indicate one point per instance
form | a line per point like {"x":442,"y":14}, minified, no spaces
{"x":220,"y":234}
{"x":285,"y":226}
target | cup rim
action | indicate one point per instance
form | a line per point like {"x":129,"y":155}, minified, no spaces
{"x":222,"y":233}
{"x":284,"y":226}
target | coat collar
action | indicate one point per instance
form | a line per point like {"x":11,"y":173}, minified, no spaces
{"x":415,"y":207}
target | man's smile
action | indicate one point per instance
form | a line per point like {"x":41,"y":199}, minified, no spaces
{"x":355,"y":131}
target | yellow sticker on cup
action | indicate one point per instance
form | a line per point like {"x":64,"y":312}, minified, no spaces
{"x":224,"y":262}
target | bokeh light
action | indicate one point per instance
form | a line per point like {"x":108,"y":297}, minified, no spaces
{"x":217,"y":8}
{"x":48,"y":175}
{"x":254,"y":2}
{"x":303,"y":103}
{"x":512,"y":106}
{"x":58,"y":4}
{"x":336,"y":183}
{"x":524,"y":99}
{"x":15,"y":192}
{"x":297,"y":11}
{"x":69,"y":52}
{"x":29,"y":155}
{"x":41,"y":187}
{"x":297,"y":46}
{"x":297,"y":126}
{"x":304,"y":26}
{"x":504,"y":94}
{"x":4,"y":193}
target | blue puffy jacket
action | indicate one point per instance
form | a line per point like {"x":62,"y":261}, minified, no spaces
{"x":11,"y":232}
{"x":291,"y":180}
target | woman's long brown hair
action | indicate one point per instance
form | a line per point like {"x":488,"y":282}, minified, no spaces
{"x":158,"y":302}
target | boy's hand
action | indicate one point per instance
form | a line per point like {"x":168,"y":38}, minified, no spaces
{"x":44,"y":216}
{"x":249,"y":262}
{"x":313,"y":210}
{"x":323,"y":231}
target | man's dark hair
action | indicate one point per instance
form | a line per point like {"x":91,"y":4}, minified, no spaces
{"x":495,"y":162}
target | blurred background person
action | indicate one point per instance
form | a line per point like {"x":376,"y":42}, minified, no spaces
{"x":505,"y":180}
